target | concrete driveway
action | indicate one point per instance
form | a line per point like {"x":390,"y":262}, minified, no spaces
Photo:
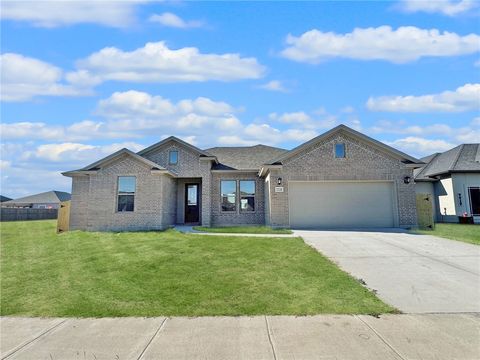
{"x":414,"y":273}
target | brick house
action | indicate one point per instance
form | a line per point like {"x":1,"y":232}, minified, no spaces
{"x":341,"y":178}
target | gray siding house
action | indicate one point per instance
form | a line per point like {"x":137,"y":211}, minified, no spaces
{"x":452,"y":179}
{"x":340,"y":179}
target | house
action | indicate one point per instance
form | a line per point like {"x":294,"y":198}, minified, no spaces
{"x":45,"y":200}
{"x":4,"y":198}
{"x":452,"y":179}
{"x":341,"y":178}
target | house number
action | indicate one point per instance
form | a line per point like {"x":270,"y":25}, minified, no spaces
{"x":278,"y":188}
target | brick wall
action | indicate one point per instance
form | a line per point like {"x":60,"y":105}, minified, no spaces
{"x":226,"y":218}
{"x":190,"y":165}
{"x":362,"y":162}
{"x":94,"y":199}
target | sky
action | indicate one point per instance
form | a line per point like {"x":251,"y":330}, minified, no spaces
{"x":82,"y":79}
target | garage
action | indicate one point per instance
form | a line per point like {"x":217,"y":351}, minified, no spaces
{"x":347,"y":204}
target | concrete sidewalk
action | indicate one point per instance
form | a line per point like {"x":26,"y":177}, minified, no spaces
{"x":190,"y":230}
{"x":356,"y":337}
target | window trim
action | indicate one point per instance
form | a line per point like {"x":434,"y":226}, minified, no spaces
{"x":117,"y":194}
{"x":254,"y":196}
{"x":470,"y":199}
{"x":169,"y":158}
{"x":344,"y":150}
{"x":236,"y":197}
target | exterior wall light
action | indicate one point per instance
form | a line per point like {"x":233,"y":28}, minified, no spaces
{"x":279,"y":181}
{"x":407,"y":179}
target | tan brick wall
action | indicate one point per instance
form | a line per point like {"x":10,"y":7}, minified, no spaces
{"x":189,"y":166}
{"x":95,"y":205}
{"x":225,"y":218}
{"x":362,"y":162}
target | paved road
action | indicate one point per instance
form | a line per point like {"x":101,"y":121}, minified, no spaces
{"x":414,"y":273}
{"x":427,"y":336}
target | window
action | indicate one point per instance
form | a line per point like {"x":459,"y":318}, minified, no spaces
{"x":247,"y":195}
{"x":126,"y":193}
{"x":339,"y":150}
{"x":474,"y":200}
{"x":173,"y":157}
{"x":229,"y":195}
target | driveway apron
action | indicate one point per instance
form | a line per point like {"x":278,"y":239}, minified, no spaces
{"x":414,"y":273}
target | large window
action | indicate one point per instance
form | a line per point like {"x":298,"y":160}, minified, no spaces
{"x":229,"y":195}
{"x":126,"y":193}
{"x":339,"y":150}
{"x":173,"y":157}
{"x":247,"y":195}
{"x":474,"y":200}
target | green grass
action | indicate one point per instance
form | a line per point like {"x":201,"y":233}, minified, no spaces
{"x":461,"y":232}
{"x":85,"y":274}
{"x":243,"y":229}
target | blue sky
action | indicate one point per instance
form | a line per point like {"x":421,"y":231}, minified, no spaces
{"x":83,"y":79}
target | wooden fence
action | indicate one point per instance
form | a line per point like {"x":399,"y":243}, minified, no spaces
{"x":425,"y":214}
{"x":22,"y":214}
{"x":63,"y":222}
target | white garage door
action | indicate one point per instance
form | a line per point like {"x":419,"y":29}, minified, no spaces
{"x":340,"y":204}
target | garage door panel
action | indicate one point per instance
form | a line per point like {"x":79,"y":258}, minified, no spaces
{"x":340,"y":204}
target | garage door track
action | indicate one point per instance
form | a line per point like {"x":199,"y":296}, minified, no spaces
{"x":414,"y":273}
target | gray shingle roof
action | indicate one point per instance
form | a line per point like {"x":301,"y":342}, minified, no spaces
{"x":49,"y":197}
{"x":463,"y":158}
{"x":244,"y":157}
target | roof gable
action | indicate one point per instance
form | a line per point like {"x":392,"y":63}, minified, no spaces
{"x":177,"y":140}
{"x":102,"y":162}
{"x":110,"y":158}
{"x":345,"y":129}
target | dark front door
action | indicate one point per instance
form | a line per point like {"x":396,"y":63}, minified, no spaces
{"x":192,"y":206}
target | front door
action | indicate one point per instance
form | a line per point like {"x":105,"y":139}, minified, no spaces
{"x":192,"y":206}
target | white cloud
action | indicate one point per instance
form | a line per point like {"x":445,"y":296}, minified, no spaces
{"x":421,"y":146}
{"x":416,"y":141}
{"x":23,"y":78}
{"x":319,"y":119}
{"x":133,"y":114}
{"x":76,"y":153}
{"x":171,"y":20}
{"x":253,"y":134}
{"x":155,"y":62}
{"x":5,"y":164}
{"x":83,"y":130}
{"x":274,"y":85}
{"x":299,"y":117}
{"x":51,"y":14}
{"x":464,"y":98}
{"x":402,"y":127}
{"x":402,"y":45}
{"x":445,"y":7}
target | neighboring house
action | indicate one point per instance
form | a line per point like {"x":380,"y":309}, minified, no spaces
{"x":452,"y":178}
{"x":46,"y":200}
{"x":341,"y":178}
{"x":4,"y":198}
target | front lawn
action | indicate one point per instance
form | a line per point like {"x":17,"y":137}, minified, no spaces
{"x":243,"y":229}
{"x":461,"y":232}
{"x":168,"y":273}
